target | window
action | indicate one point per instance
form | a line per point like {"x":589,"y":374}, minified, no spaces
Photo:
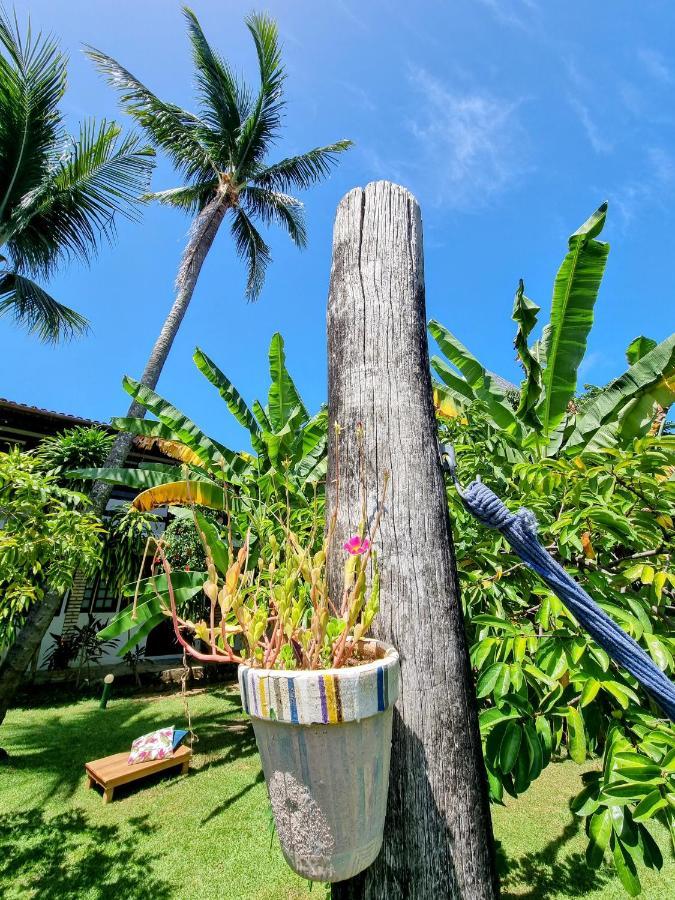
{"x":87,"y":597}
{"x":106,"y":599}
{"x":99,"y":598}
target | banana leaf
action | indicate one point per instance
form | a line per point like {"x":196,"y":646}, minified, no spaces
{"x":183,"y":429}
{"x":231,"y":396}
{"x":648,"y":381}
{"x":149,"y":433}
{"x":574,"y":294}
{"x":638,"y":348}
{"x":283,"y":397}
{"x":458,"y":385}
{"x":140,"y":479}
{"x":477,"y":376}
{"x":525,"y":313}
{"x":176,"y":493}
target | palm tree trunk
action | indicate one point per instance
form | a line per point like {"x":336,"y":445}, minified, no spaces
{"x":24,"y":648}
{"x":202,"y":235}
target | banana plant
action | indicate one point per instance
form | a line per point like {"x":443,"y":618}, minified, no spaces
{"x":544,"y":413}
{"x":289,"y":445}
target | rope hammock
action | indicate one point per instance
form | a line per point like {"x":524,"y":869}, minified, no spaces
{"x":520,"y":530}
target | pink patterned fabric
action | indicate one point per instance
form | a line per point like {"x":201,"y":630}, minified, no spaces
{"x":156,"y":745}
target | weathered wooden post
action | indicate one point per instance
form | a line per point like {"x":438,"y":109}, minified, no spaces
{"x":438,"y":837}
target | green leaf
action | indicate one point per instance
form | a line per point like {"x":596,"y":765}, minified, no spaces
{"x":576,"y":735}
{"x":649,"y":805}
{"x":184,"y":429}
{"x":574,"y":294}
{"x":510,"y":747}
{"x":141,"y":633}
{"x":650,"y":377}
{"x":139,"y":479}
{"x":586,"y":802}
{"x":478,"y":378}
{"x":283,"y":397}
{"x":488,"y":718}
{"x":543,"y":729}
{"x":124,"y":620}
{"x":589,"y":692}
{"x":217,"y":547}
{"x":458,"y":385}
{"x":625,"y":868}
{"x":488,"y":679}
{"x":535,"y":752}
{"x":495,"y":622}
{"x":599,"y":831}
{"x":525,"y":313}
{"x":638,"y":348}
{"x":620,"y":792}
{"x":231,"y":396}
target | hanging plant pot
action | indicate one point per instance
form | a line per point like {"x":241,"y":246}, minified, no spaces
{"x":325,"y":741}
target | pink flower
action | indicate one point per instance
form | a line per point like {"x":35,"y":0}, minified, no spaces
{"x":355,"y":546}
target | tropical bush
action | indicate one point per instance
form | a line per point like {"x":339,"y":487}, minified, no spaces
{"x":599,"y":477}
{"x":46,"y":534}
{"x":256,"y":496}
{"x":545,"y":416}
{"x":73,"y":448}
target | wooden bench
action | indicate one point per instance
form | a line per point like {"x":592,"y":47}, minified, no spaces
{"x":112,"y":771}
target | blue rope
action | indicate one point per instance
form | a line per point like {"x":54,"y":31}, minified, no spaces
{"x":520,"y":530}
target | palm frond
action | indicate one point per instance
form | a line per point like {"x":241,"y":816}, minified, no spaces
{"x":101,"y":177}
{"x":225,"y":101}
{"x":301,"y":171}
{"x":38,"y":312}
{"x":168,"y":126}
{"x":251,"y":247}
{"x":32,"y":81}
{"x":260,"y":127}
{"x":281,"y":209}
{"x":191,"y":198}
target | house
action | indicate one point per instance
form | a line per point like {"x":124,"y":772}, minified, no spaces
{"x":24,"y":426}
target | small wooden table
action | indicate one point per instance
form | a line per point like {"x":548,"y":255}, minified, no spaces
{"x":112,"y":771}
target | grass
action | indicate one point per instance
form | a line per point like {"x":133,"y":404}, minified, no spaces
{"x":208,"y":834}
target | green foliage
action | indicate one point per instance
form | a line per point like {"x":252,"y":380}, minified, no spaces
{"x":82,"y":644}
{"x":46,"y":534}
{"x":545,"y":688}
{"x":74,"y":448}
{"x":58,"y":194}
{"x":128,"y":530}
{"x":289,"y":443}
{"x":221,"y":151}
{"x":546,"y":416}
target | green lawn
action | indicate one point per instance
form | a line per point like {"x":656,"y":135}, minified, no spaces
{"x":208,"y":834}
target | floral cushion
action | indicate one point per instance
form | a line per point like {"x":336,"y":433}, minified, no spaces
{"x":156,"y":745}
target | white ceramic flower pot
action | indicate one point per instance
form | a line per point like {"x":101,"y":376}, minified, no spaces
{"x":325,"y":742}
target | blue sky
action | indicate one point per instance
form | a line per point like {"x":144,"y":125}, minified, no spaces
{"x":510,"y":120}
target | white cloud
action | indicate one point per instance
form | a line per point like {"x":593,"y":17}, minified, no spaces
{"x":594,"y":133}
{"x":470,"y":145}
{"x":655,"y":65}
{"x":516,"y":13}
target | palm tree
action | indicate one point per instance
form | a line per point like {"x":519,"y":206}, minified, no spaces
{"x":221,"y":154}
{"x":58,"y":194}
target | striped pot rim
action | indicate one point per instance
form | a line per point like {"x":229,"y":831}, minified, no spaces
{"x":324,"y":696}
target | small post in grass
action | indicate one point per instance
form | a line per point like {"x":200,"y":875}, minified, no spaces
{"x":438,"y":834}
{"x":107,"y":690}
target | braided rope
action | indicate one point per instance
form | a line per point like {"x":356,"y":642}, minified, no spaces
{"x":520,"y":530}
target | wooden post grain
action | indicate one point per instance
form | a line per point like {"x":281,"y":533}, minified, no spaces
{"x":438,"y":836}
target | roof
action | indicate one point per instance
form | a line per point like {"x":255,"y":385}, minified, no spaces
{"x":67,"y":418}
{"x":25,"y":426}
